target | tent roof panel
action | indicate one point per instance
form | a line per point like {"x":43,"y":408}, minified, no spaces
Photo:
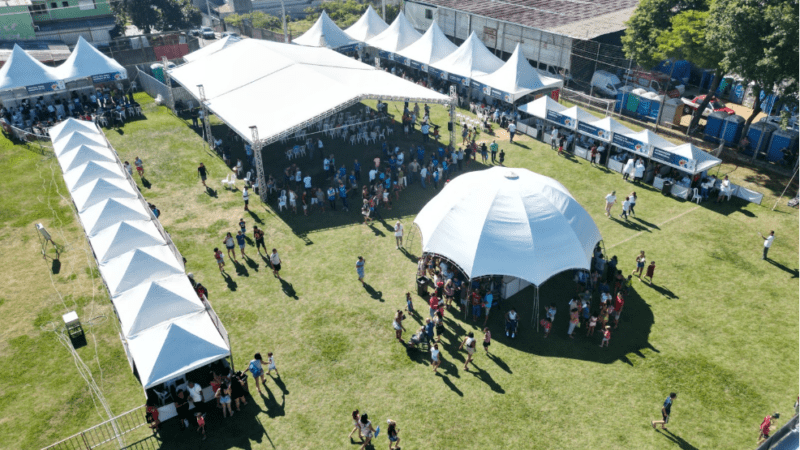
{"x":212,"y":48}
{"x":108,"y":212}
{"x":75,"y":139}
{"x":139,"y":266}
{"x":324,"y":33}
{"x":368,"y":26}
{"x":433,"y":46}
{"x":91,"y":171}
{"x":85,"y":154}
{"x":124,"y":236}
{"x":470,"y":60}
{"x":66,"y":127}
{"x":23,"y":70}
{"x":86,"y":61}
{"x":518,"y":78}
{"x":398,"y":36}
{"x":156,"y":302}
{"x":540,"y":106}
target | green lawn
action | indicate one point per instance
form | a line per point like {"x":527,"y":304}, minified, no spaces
{"x":720,"y":326}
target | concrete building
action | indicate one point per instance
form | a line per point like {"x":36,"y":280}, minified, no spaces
{"x":63,"y":20}
{"x":548,"y":30}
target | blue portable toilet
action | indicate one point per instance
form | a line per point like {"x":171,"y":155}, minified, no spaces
{"x":759,"y":135}
{"x":732,"y":129}
{"x":737,"y":92}
{"x":632,"y":102}
{"x":622,"y":98}
{"x":780,"y":140}
{"x":655,"y":106}
{"x":714,"y":126}
{"x":643,"y":109}
{"x":706,"y":79}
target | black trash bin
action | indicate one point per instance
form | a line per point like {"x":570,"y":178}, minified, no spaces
{"x":422,"y":286}
{"x":667,"y":188}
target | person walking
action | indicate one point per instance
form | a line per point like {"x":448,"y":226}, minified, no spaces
{"x":487,"y":339}
{"x":650,"y":271}
{"x":356,"y":426}
{"x":256,"y":368}
{"x":241,"y":242}
{"x":606,"y":335}
{"x":398,"y":234}
{"x":469,"y":343}
{"x":766,"y":427}
{"x":512,"y":128}
{"x":258,"y":235}
{"x":220,"y":259}
{"x":139,"y":166}
{"x":502,"y":157}
{"x":275,"y":262}
{"x":391,"y":432}
{"x":640,"y":262}
{"x":626,"y":206}
{"x":610,"y":200}
{"x":202,"y":173}
{"x":271,"y":365}
{"x":397,"y":324}
{"x":436,"y":360}
{"x":665,"y":412}
{"x":246,"y":198}
{"x":632,"y":199}
{"x":493,"y":147}
{"x":767,"y":242}
{"x":360,"y":268}
{"x":230,"y":245}
{"x":367,"y":431}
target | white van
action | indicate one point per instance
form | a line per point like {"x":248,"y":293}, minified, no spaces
{"x":605,"y":84}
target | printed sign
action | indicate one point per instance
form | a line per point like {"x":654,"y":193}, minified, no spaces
{"x":561,"y":119}
{"x":671,"y":159}
{"x":638,"y":147}
{"x":384,"y":54}
{"x":593,"y":131}
{"x":46,"y":87}
{"x":106,"y":77}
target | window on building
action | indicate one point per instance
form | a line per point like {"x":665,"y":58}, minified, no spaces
{"x":65,"y":4}
{"x":87,"y":4}
{"x":53,"y":5}
{"x":38,"y":8}
{"x":429,"y":14}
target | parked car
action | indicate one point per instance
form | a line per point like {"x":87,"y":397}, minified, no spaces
{"x":194,"y":32}
{"x":713,"y":106}
{"x":233,"y":35}
{"x":208,"y":33}
{"x":654,"y":82}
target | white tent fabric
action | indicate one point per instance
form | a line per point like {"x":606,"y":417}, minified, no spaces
{"x":398,"y":36}
{"x":22,"y":70}
{"x":170,"y":349}
{"x":111,"y":211}
{"x":602,"y":128}
{"x":122,"y":237}
{"x":470,"y":60}
{"x":314,"y":81}
{"x":139,"y":266}
{"x":578,"y":114}
{"x":432,"y":47}
{"x":650,"y":138}
{"x":517,"y":78}
{"x":91,"y":171}
{"x":211,"y":48}
{"x":101,"y":189}
{"x":324,"y":33}
{"x":84,"y":154}
{"x":70,"y":125}
{"x":540,"y":106}
{"x":503,"y":221}
{"x":367,"y":27}
{"x":150,"y":304}
{"x":86,"y":61}
{"x":75,"y":139}
{"x":692,"y":159}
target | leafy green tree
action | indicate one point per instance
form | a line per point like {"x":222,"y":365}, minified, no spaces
{"x":346,"y":13}
{"x":163,"y":15}
{"x":234,"y":20}
{"x":262,"y":20}
{"x":142,"y":14}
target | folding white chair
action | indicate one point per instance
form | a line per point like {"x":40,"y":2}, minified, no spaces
{"x":299,"y":150}
{"x":382,"y":135}
{"x":374,"y":136}
{"x":282,"y":201}
{"x":696,"y":196}
{"x":353,"y":139}
{"x":229,"y":182}
{"x":390,"y":131}
{"x":290,"y":154}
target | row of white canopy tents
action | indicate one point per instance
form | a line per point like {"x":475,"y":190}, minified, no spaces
{"x":645,"y":143}
{"x":508,"y":222}
{"x":471,"y":65}
{"x":22,"y":71}
{"x":167,"y":331}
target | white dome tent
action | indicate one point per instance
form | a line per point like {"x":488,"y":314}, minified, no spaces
{"x":513,"y":222}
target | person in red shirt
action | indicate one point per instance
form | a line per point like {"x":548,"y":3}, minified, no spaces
{"x":766,"y":427}
{"x":619,"y":302}
{"x":434,"y":304}
{"x":606,"y":336}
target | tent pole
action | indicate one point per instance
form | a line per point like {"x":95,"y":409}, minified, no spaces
{"x":262,"y":181}
{"x":787,"y":187}
{"x":453,"y":101}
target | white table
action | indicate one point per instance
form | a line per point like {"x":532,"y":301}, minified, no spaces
{"x":582,"y":152}
{"x":658,"y":183}
{"x":680,"y":191}
{"x":615,"y":165}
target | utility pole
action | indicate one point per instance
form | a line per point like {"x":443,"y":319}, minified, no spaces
{"x":383,"y":7}
{"x":285,"y":33}
{"x":206,"y":121}
{"x":210,"y":17}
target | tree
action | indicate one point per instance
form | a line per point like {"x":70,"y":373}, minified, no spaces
{"x":346,"y":13}
{"x":262,"y":20}
{"x":758,"y":41}
{"x":148,"y":15}
{"x":234,"y":20}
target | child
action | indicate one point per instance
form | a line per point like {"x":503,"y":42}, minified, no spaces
{"x":547,"y":324}
{"x":201,"y":424}
{"x":502,"y":157}
{"x":551,"y":312}
{"x":560,"y":148}
{"x":606,"y":336}
{"x":409,"y":304}
{"x":650,"y":270}
{"x":243,"y":226}
{"x":592,"y":324}
{"x":392,"y":431}
{"x":220,"y":259}
{"x":487,"y":339}
{"x":573,"y":321}
{"x":271,"y":365}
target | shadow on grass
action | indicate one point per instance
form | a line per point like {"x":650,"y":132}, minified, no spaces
{"x":288,"y":289}
{"x":211,"y":192}
{"x":500,"y":363}
{"x":274,"y":409}
{"x":377,"y":295}
{"x":628,"y":224}
{"x":412,"y":258}
{"x":146,"y":183}
{"x":251,"y":263}
{"x":255,"y":217}
{"x":279,"y":381}
{"x":792,"y":272}
{"x":484,"y":376}
{"x":679,"y":441}
{"x":647,"y":224}
{"x":241,"y":270}
{"x":450,"y":384}
{"x":663,"y":291}
{"x":231,"y":284}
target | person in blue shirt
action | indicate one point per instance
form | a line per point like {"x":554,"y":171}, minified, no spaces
{"x":343,"y":196}
{"x":435,"y":162}
{"x":429,"y":330}
{"x":487,"y":305}
{"x":436,"y":179}
{"x":385,"y":148}
{"x":441,"y":153}
{"x":332,"y":197}
{"x":665,"y":411}
{"x":240,"y":241}
{"x":357,"y":170}
{"x":388,"y":184}
{"x":342,"y":172}
{"x":392,"y":163}
{"x":420,"y":154}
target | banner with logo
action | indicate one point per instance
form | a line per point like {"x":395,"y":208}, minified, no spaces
{"x":46,"y":87}
{"x":453,"y":78}
{"x":440,"y":74}
{"x":632,"y":145}
{"x":417,"y":65}
{"x":594,"y":132}
{"x":671,"y":159}
{"x":106,"y":77}
{"x":386,"y":55}
{"x":561,"y":119}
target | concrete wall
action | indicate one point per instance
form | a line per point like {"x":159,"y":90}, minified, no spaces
{"x":74,"y":9}
{"x":540,"y":46}
{"x":97,"y":35}
{"x":16,"y":23}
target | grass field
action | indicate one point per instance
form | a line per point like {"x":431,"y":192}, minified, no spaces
{"x":720,"y":326}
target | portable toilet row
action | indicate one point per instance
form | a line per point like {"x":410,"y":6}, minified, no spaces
{"x":673,"y":112}
{"x":781,"y":139}
{"x":759,"y":135}
{"x":622,"y":98}
{"x":731,"y":130}
{"x":713,"y":128}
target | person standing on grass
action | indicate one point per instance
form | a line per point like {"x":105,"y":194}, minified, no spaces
{"x":512,"y":128}
{"x":632,"y":199}
{"x":398,"y":234}
{"x":360,"y":268}
{"x":547,"y":325}
{"x":275,"y":262}
{"x":256,"y":368}
{"x":488,"y":299}
{"x":139,"y":166}
{"x":220,"y":259}
{"x":429,"y":326}
{"x":224,"y":396}
{"x":240,"y":241}
{"x":243,"y":226}
{"x":665,"y":411}
{"x":356,"y":426}
{"x":435,"y":357}
{"x":610,"y":200}
{"x":606,"y":336}
{"x":640,"y":262}
{"x":469,"y":343}
{"x":128,"y":168}
{"x":271,"y":365}
{"x":767,"y":243}
{"x":202,"y":173}
{"x":487,"y":339}
{"x":591,"y":324}
{"x":397,"y":324}
{"x":592,"y":155}
{"x":246,"y":198}
{"x":367,"y":431}
{"x":650,"y":271}
{"x":391,"y":432}
{"x":766,"y":427}
{"x":502,"y":157}
{"x":619,"y":302}
{"x":493,"y":147}
{"x":626,"y":206}
{"x":438,"y":325}
{"x":230,"y":245}
{"x":574,"y":319}
{"x":258,"y":235}
{"x":332,"y":198}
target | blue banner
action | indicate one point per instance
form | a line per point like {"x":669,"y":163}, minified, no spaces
{"x":453,"y":78}
{"x":106,"y":77}
{"x":385,"y":55}
{"x":594,"y":132}
{"x":671,"y":159}
{"x":347,"y":48}
{"x":632,"y":145}
{"x":561,"y":119}
{"x":46,"y":87}
{"x":418,"y":65}
{"x":442,"y":75}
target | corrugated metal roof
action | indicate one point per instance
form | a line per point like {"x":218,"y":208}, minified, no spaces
{"x":5,"y":3}
{"x":585,"y":19}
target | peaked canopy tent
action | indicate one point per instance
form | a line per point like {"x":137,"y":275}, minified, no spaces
{"x":432,"y":47}
{"x":686,"y":157}
{"x":470,"y":60}
{"x":71,"y":125}
{"x":515,"y":79}
{"x":84,"y":154}
{"x":111,"y":211}
{"x":550,"y":110}
{"x":212,"y":48}
{"x":367,"y":27}
{"x":73,"y":140}
{"x":170,"y":349}
{"x":398,"y":36}
{"x":325,"y":33}
{"x":514,"y":222}
{"x":92,"y":170}
{"x":86,"y":61}
{"x":101,"y":189}
{"x":602,"y":129}
{"x":24,"y":71}
{"x":139,"y":266}
{"x":123,"y":236}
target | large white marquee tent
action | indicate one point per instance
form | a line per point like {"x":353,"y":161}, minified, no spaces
{"x":325,"y":33}
{"x":470,"y":60}
{"x":516,"y":79}
{"x":432,"y":47}
{"x":398,"y":36}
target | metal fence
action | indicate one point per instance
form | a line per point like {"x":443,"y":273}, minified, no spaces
{"x":111,"y":434}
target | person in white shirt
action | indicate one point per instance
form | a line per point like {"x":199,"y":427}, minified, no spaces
{"x":398,"y":234}
{"x":326,"y":165}
{"x":423,"y":174}
{"x":610,"y":200}
{"x":307,"y":181}
{"x":767,"y":242}
{"x":626,"y":207}
{"x":554,"y":138}
{"x":638,"y":171}
{"x":628,"y":169}
{"x":724,"y":189}
{"x":372,"y":174}
{"x":196,"y":394}
{"x":275,"y":261}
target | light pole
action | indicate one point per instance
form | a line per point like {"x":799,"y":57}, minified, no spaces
{"x":285,"y":33}
{"x":383,"y":9}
